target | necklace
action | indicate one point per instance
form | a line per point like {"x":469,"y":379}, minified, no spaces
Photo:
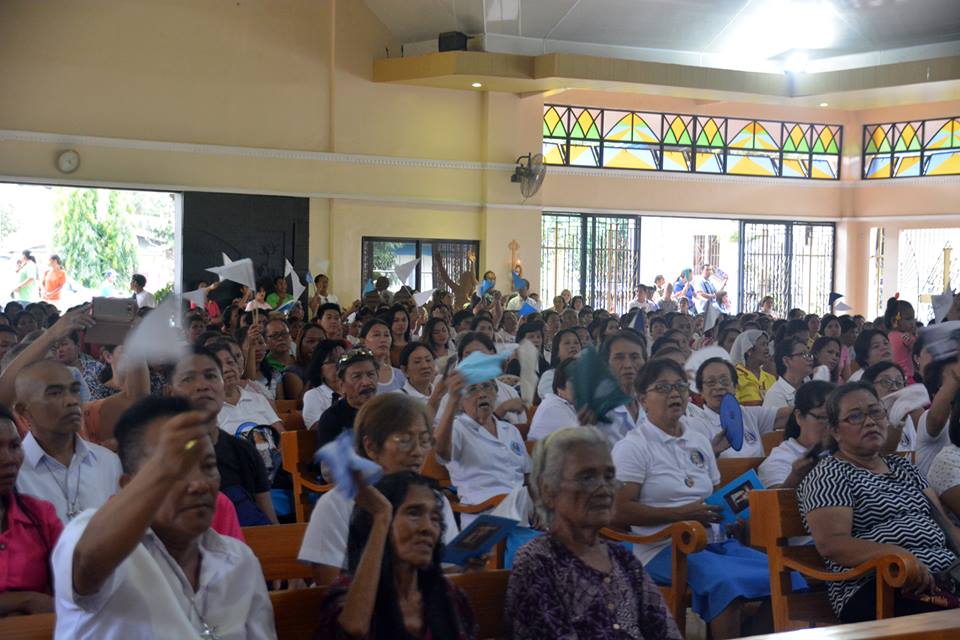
{"x":207,"y":631}
{"x":73,"y":506}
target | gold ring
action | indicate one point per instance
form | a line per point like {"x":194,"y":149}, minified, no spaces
{"x":190,"y":445}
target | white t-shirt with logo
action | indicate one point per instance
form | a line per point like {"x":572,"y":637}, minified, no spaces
{"x":756,"y":422}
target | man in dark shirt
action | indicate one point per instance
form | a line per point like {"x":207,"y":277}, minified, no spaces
{"x":357,"y":370}
{"x":198,"y":377}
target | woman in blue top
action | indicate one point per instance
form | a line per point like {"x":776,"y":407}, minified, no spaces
{"x":684,"y":286}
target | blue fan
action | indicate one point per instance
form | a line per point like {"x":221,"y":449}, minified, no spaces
{"x":731,"y":419}
{"x":518,"y":282}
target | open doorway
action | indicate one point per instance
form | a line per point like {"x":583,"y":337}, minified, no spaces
{"x":101,"y":236}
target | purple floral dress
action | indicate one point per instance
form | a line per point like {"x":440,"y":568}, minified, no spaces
{"x":553,"y":594}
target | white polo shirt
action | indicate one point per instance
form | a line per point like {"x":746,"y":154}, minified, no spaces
{"x":325,"y":540}
{"x":411,"y":391}
{"x":251,"y":407}
{"x":545,"y":384}
{"x":92,"y":477}
{"x":148,"y":595}
{"x":778,"y":465}
{"x":315,"y":402}
{"x":756,"y":422}
{"x":482,"y":465}
{"x":926,"y":447}
{"x":554,"y":413}
{"x":661,"y":464}
{"x":397,"y":380}
{"x":620,"y":423}
{"x":780,"y":394}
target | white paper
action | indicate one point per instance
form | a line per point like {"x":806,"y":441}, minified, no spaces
{"x":287,"y":267}
{"x":842,"y":306}
{"x":197,"y":296}
{"x":941,"y":305}
{"x":405,"y":270}
{"x":423,"y":298}
{"x":239,"y":271}
{"x":710,"y":317}
{"x":226,"y":258}
{"x":157,"y":338}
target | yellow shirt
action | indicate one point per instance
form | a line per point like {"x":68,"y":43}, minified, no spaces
{"x":750,"y":390}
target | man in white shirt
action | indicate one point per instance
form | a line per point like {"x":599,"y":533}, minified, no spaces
{"x":523,"y":297}
{"x":642,"y":301}
{"x":58,"y":465}
{"x":147,"y":564}
{"x":144,"y":297}
{"x":250,"y":407}
{"x":704,"y":292}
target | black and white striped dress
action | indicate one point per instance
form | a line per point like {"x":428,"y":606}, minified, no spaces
{"x":887,"y":508}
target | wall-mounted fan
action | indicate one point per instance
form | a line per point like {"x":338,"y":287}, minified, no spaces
{"x":529,"y":172}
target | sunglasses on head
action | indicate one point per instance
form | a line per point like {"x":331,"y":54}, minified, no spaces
{"x":354,"y":355}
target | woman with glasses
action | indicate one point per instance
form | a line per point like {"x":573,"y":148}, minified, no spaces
{"x":571,"y":583}
{"x":393,"y":430}
{"x":859,"y":504}
{"x":485,"y":456}
{"x":375,"y":336}
{"x":751,"y":354}
{"x":716,"y":378}
{"x":794,"y":364}
{"x":322,"y":379}
{"x":667,"y":471}
{"x":806,"y":428}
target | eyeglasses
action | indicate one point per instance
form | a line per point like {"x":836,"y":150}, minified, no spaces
{"x":665,"y":388}
{"x":591,"y":484}
{"x":858,"y":417}
{"x":717,"y":382}
{"x":806,"y":355}
{"x":483,"y":386}
{"x":890,"y":383}
{"x":278,"y":336}
{"x":406,"y":441}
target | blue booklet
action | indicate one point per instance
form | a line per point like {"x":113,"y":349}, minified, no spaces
{"x":478,"y":539}
{"x":733,"y":498}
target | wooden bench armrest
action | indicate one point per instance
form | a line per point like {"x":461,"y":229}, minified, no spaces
{"x":314,"y":486}
{"x":489,"y":503}
{"x":687,"y":536}
{"x":895,"y":569}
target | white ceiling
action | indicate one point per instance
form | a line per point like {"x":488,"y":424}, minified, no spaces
{"x":756,"y":35}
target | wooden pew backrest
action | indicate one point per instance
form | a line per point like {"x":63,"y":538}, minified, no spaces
{"x":36,"y":627}
{"x":487,"y":592}
{"x":276,"y":547}
{"x":295,"y":612}
{"x":731,"y":468}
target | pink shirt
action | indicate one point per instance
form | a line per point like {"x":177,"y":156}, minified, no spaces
{"x":225,"y":521}
{"x":25,"y":550}
{"x":901,"y":345}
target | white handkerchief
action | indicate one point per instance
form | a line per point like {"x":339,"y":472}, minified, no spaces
{"x":157,"y":338}
{"x":423,"y":297}
{"x":405,"y":270}
{"x":239,"y":271}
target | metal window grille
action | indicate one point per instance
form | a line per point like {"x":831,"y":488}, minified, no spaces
{"x":381,"y":256}
{"x":706,"y":250}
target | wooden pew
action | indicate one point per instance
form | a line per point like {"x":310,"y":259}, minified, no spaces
{"x":732,"y":468}
{"x":771,"y":441}
{"x":297,"y":449}
{"x":774,"y":519}
{"x":295,"y":612}
{"x":941,"y":625}
{"x":276,"y":547}
{"x":487,"y":592}
{"x":36,"y":627}
{"x":685,"y":538}
{"x":433,"y":469}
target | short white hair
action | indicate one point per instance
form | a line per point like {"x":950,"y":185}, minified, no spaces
{"x":550,"y":458}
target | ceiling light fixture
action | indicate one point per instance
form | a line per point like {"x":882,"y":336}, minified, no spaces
{"x":476,"y":85}
{"x":796,"y":62}
{"x":824,"y":104}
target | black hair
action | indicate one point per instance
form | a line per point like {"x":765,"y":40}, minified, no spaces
{"x":827,"y":319}
{"x":795,"y":327}
{"x":709,"y":361}
{"x":371,"y":323}
{"x":861,"y":347}
{"x":846,"y":323}
{"x":819,"y":345}
{"x":653,"y":370}
{"x":933,"y":374}
{"x":26,"y":509}
{"x":480,"y":317}
{"x":474,"y":336}
{"x":725,"y":331}
{"x":839,"y":393}
{"x":536,"y":326}
{"x":6,"y":328}
{"x":460,"y":316}
{"x":658,"y":320}
{"x":318,"y":359}
{"x":132,"y":425}
{"x":870,"y":373}
{"x":138,"y":278}
{"x":330,"y":306}
{"x":410,"y":348}
{"x":555,"y":345}
{"x":663,"y":342}
{"x":206,"y":335}
{"x":439,"y":618}
{"x":783,"y":349}
{"x":628,"y":336}
{"x":427,"y":335}
{"x":809,"y":396}
{"x":584,"y":310}
{"x":562,"y":373}
{"x":895,"y":307}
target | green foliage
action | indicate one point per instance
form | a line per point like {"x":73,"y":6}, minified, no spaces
{"x":160,"y":294}
{"x":8,"y":224}
{"x":91,"y":238}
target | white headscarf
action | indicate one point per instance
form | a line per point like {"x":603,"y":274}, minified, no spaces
{"x":743,"y":343}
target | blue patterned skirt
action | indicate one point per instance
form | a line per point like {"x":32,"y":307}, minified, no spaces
{"x":720,"y":574}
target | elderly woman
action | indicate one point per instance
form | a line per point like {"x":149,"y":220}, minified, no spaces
{"x":570,"y":583}
{"x":860,"y":505}
{"x":716,"y":378}
{"x":396,"y":587}
{"x":375,"y":335}
{"x":394,"y":431}
{"x":625,"y":354}
{"x":566,"y":345}
{"x":789,"y":463}
{"x":420,"y":368}
{"x":485,"y":456}
{"x":794,"y":364}
{"x":750,"y":353}
{"x":29,"y":529}
{"x":668,"y":470}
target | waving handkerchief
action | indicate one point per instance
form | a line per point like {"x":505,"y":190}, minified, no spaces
{"x":479,"y":367}
{"x":341,"y":462}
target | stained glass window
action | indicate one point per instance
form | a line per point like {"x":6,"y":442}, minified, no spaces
{"x":911,"y":149}
{"x":647,"y":141}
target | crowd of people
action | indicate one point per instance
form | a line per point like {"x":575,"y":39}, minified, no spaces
{"x":124,"y":483}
